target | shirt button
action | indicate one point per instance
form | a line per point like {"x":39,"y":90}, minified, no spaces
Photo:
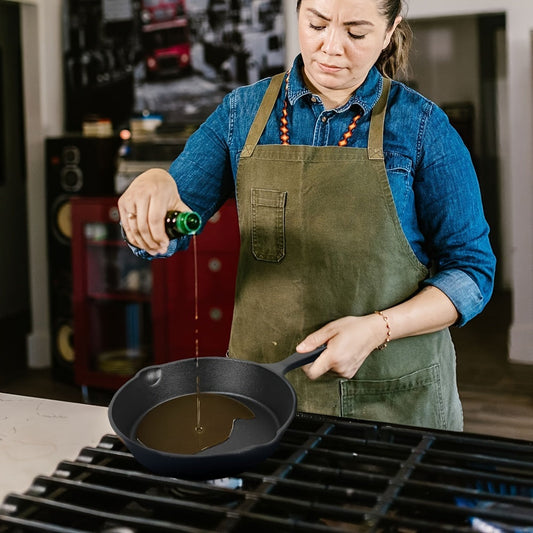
{"x":324,"y":119}
{"x":313,"y":99}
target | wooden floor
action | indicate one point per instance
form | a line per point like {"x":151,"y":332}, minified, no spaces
{"x":497,"y":396}
{"x":504,"y":414}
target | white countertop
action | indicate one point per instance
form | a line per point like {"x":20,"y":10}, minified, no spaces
{"x":36,"y":434}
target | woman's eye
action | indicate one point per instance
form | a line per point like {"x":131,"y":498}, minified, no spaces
{"x":314,"y":27}
{"x":354,"y":36}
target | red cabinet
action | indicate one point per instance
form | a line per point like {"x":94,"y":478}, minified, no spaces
{"x":174,"y":294}
{"x":130,"y":312}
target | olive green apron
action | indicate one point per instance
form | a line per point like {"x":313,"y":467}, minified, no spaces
{"x":320,"y":240}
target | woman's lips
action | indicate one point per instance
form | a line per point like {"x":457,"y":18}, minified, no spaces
{"x":329,"y":68}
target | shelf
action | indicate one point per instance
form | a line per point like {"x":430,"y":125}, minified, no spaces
{"x":122,"y":296}
{"x":115,"y":243}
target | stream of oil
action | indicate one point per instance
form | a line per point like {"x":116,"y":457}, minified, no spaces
{"x":198,"y":428}
{"x":194,"y":422}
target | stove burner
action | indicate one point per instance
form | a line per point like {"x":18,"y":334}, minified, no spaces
{"x":328,"y":474}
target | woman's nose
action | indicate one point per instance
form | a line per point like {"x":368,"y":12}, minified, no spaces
{"x":332,"y":43}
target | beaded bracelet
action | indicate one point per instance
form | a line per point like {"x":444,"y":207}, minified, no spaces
{"x":387,"y":339}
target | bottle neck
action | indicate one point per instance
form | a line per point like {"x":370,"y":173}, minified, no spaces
{"x":179,"y":223}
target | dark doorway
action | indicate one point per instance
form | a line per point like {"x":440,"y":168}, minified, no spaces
{"x":14,"y":291}
{"x":491,"y":30}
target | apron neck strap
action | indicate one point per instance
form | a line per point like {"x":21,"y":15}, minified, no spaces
{"x":265,"y":110}
{"x":375,"y":136}
{"x":377,"y":122}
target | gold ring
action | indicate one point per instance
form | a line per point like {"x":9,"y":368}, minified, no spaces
{"x":131,"y":215}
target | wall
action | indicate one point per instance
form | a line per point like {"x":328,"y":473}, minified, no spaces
{"x":43,"y":102}
{"x":44,"y":116}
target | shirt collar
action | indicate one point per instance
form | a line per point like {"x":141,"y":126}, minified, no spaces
{"x":365,"y":96}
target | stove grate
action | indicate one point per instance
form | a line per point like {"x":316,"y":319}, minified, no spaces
{"x":328,"y":474}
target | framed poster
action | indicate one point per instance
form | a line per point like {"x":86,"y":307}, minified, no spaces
{"x":195,"y":53}
{"x":172,"y":58}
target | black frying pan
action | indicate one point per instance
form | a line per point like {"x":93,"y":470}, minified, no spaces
{"x":261,"y":387}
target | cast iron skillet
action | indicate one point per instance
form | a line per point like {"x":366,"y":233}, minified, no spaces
{"x":261,"y":387}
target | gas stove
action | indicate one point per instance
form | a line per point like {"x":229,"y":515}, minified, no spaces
{"x":328,"y":474}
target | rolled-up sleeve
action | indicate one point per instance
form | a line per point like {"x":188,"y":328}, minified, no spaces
{"x":462,"y":290}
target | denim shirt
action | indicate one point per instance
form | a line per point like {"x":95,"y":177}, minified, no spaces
{"x":430,"y":172}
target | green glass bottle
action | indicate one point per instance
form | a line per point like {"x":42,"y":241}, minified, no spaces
{"x":180,"y":223}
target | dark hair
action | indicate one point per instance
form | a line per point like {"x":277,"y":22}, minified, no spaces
{"x":394,"y":60}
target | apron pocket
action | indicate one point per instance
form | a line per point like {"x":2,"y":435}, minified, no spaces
{"x":414,"y":399}
{"x":268,"y":224}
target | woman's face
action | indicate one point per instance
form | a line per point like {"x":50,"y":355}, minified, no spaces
{"x":340,"y":41}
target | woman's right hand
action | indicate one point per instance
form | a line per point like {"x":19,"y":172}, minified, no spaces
{"x":143,"y":207}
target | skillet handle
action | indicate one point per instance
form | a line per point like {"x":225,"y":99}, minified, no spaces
{"x":295,"y":360}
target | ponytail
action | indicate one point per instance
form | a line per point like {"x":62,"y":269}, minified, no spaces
{"x":394,"y":60}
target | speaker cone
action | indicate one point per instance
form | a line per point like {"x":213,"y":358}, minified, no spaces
{"x":65,"y":343}
{"x":62,"y":219}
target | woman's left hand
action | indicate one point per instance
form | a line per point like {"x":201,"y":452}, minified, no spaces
{"x":351,"y":339}
{"x":349,"y":342}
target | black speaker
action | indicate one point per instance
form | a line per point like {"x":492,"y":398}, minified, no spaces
{"x":75,"y":166}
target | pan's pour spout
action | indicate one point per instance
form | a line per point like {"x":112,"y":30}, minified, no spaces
{"x":296,"y":360}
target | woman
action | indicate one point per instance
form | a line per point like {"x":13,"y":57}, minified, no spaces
{"x":360,"y":217}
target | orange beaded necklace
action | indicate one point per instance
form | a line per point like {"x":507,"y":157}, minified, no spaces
{"x":284,"y":123}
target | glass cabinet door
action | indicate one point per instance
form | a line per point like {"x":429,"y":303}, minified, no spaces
{"x":118,"y":302}
{"x":112,"y":297}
